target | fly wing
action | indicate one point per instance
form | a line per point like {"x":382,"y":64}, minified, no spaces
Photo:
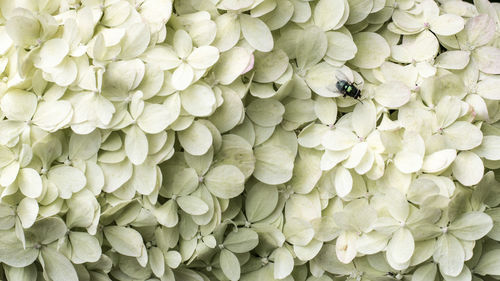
{"x":333,"y":87}
{"x":341,"y":76}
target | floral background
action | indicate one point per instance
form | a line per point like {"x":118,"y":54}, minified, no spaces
{"x":207,"y":140}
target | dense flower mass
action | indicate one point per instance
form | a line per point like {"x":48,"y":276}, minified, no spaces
{"x":254,"y":140}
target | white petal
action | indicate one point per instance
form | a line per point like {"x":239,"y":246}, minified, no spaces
{"x":343,"y":181}
{"x":357,"y":153}
{"x":67,"y":179}
{"x":256,"y":33}
{"x":183,"y":44}
{"x":52,"y":53}
{"x":163,"y":56}
{"x":283,"y":263}
{"x":196,"y":139}
{"x":339,"y":139}
{"x":373,"y":50}
{"x":488,"y":59}
{"x":401,"y":247}
{"x":328,"y":13}
{"x":488,"y":88}
{"x":439,"y":160}
{"x":203,"y":57}
{"x":463,"y":135}
{"x":425,"y":46}
{"x":331,"y":158}
{"x":468,"y":168}
{"x":182,"y":77}
{"x":198,"y":100}
{"x":408,"y":161}
{"x":29,"y":182}
{"x":364,"y":118}
{"x":231,"y":64}
{"x":27,"y":210}
{"x":228,"y":32}
{"x":489,"y":148}
{"x":447,"y":24}
{"x":340,"y":46}
{"x":453,"y":59}
{"x":156,"y":118}
{"x":18,"y":105}
{"x":392,"y":94}
{"x":136,"y":145}
{"x":65,"y":73}
{"x":52,"y":115}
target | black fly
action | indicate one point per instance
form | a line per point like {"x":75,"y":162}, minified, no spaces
{"x":346,"y":87}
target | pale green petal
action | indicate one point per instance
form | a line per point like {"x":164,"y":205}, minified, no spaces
{"x":84,"y":146}
{"x":23,"y":28}
{"x":85,"y":247}
{"x":256,"y":33}
{"x":447,"y":24}
{"x":283,"y":263}
{"x":343,"y":181}
{"x":364,"y":118}
{"x":453,"y":59}
{"x":124,"y":240}
{"x":449,"y":254}
{"x":269,"y":66}
{"x":230,"y":265}
{"x":136,"y":145}
{"x":52,"y":115}
{"x":339,"y":139}
{"x":373,"y":50}
{"x":468,"y":168}
{"x":489,"y":264}
{"x":311,"y":47}
{"x":488,"y":89}
{"x":27,"y":210}
{"x":52,"y":53}
{"x":463,"y":135}
{"x":156,"y":261}
{"x":29,"y":182}
{"x":241,"y":240}
{"x":67,"y":179}
{"x":425,"y":272}
{"x":393,"y":94}
{"x":260,"y":201}
{"x":328,"y":13}
{"x":359,"y":10}
{"x":340,"y":46}
{"x":489,"y":148}
{"x":18,"y":105}
{"x":196,"y":139}
{"x":439,"y":160}
{"x":488,"y":59}
{"x":182,"y":43}
{"x":203,"y":57}
{"x":266,"y":113}
{"x":274,"y":164}
{"x":228,"y":31}
{"x":401,"y":246}
{"x":57,"y":266}
{"x":225,"y":181}
{"x":231,"y":64}
{"x":182,"y":77}
{"x":471,"y":226}
{"x":162,"y":56}
{"x":192,"y":205}
{"x":157,"y":117}
{"x":198,"y":100}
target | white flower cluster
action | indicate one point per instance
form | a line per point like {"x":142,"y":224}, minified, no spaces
{"x":252,"y":140}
